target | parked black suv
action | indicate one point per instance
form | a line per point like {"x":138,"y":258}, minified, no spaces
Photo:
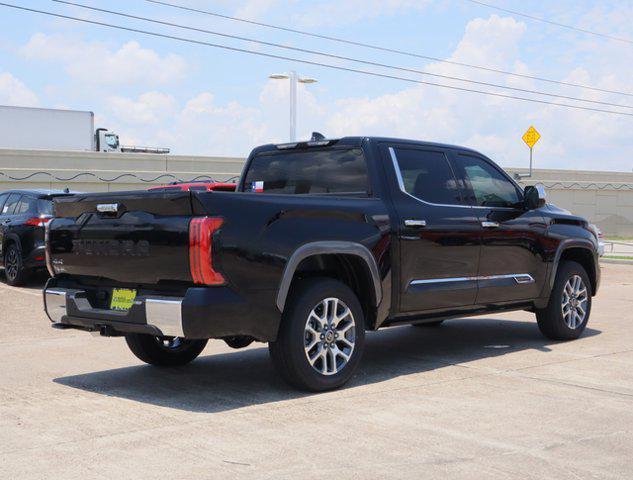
{"x":23,"y":215}
{"x":322,"y":241}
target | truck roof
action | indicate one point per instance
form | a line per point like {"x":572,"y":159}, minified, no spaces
{"x":38,"y":192}
{"x":356,"y":141}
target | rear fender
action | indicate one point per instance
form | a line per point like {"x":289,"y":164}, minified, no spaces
{"x":327,"y":247}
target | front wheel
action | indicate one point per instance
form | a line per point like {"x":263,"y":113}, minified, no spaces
{"x":567,"y":312}
{"x":322,"y":336}
{"x":164,"y":351}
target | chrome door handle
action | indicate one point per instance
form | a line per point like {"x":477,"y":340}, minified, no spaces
{"x":414,"y":223}
{"x":490,"y":224}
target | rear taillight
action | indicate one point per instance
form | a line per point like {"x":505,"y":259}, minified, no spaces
{"x":201,"y":231}
{"x":38,"y":221}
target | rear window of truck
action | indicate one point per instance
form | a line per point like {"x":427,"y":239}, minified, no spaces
{"x":314,"y":172}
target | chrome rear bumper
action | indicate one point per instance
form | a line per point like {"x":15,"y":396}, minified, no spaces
{"x":71,"y":307}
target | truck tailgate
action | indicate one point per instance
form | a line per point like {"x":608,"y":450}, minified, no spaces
{"x":128,"y":237}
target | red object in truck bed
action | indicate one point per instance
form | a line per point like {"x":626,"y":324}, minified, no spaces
{"x":197,"y":186}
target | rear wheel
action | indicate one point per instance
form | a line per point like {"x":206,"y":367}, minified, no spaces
{"x":567,"y":312}
{"x":14,"y":269}
{"x":164,"y":351}
{"x":322,"y":336}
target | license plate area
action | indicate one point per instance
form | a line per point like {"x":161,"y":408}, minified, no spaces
{"x":122,"y":299}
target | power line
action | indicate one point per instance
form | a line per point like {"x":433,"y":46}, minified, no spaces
{"x":340,"y":57}
{"x":551,"y":22}
{"x":309,"y":62}
{"x":387,"y":49}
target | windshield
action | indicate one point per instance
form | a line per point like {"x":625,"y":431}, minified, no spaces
{"x":328,"y":171}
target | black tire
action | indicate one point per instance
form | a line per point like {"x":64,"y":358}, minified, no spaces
{"x":288,"y":351}
{"x":164,"y":351}
{"x":550,"y":320}
{"x":14,"y":270}
{"x":436,"y":323}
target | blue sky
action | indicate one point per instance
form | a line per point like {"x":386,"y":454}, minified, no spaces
{"x":200,"y":100}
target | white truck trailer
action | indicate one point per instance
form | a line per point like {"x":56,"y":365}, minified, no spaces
{"x":55,"y":129}
{"x":46,"y":129}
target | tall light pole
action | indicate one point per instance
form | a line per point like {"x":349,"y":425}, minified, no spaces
{"x":294,"y":79}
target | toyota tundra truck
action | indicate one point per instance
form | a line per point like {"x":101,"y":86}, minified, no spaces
{"x":321,"y":241}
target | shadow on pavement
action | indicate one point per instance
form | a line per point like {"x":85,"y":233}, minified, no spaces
{"x":228,"y":381}
{"x":35,"y":281}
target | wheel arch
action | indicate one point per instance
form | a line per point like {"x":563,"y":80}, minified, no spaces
{"x":9,"y":239}
{"x":349,"y":262}
{"x":581,"y":252}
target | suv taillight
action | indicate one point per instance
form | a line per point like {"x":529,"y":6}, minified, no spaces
{"x":201,"y":231}
{"x":38,"y":221}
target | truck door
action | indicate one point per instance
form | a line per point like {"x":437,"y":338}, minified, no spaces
{"x":438,"y":234}
{"x":511,"y":265}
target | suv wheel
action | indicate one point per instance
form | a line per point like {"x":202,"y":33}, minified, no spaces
{"x":13,"y":267}
{"x":567,"y":312}
{"x":164,"y":351}
{"x":322,"y":336}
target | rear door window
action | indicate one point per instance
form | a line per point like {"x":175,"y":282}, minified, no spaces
{"x":45,"y":207}
{"x":331,"y":171}
{"x":427,"y":175}
{"x":3,"y":199}
{"x":26,"y":205}
{"x":11,"y":203}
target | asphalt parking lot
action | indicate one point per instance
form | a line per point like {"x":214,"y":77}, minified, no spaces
{"x":477,"y":398}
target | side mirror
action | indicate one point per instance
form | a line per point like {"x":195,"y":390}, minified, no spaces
{"x":534,"y":197}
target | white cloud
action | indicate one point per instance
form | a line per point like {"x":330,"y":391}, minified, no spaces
{"x":14,"y":92}
{"x":492,"y":42}
{"x":202,"y":125}
{"x":570,"y":138}
{"x":96,"y":63}
{"x":150,"y":108}
{"x":205,"y":126}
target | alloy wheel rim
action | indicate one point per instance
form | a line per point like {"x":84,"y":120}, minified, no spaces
{"x":574,"y":302}
{"x":329,"y":336}
{"x":11,"y":264}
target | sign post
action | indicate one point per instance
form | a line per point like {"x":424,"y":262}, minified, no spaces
{"x":530,"y":137}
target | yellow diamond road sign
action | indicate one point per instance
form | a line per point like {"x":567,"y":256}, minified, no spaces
{"x":531,"y":137}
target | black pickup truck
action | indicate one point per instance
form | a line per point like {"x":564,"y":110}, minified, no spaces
{"x":322,"y":241}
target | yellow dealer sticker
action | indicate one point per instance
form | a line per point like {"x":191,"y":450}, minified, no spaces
{"x":122,"y":299}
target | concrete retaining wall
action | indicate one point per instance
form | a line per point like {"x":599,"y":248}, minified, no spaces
{"x":605,"y":198}
{"x":97,"y":172}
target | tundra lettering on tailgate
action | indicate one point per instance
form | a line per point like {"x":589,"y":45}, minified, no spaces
{"x":111,"y":248}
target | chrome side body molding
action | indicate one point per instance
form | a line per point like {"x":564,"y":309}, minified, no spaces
{"x":519,"y":278}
